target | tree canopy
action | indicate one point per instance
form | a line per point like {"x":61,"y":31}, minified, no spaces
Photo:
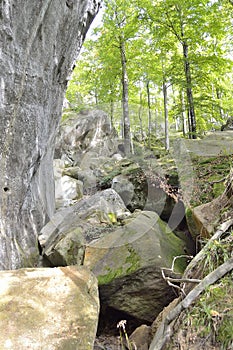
{"x":173,"y":60}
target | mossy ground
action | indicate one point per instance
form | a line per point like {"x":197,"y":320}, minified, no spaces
{"x":211,"y":174}
{"x":212,"y":315}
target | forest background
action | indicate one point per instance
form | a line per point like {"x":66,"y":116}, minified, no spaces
{"x":158,"y":68}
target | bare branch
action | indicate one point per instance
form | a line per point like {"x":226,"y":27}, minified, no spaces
{"x":178,"y":280}
{"x":217,"y":181}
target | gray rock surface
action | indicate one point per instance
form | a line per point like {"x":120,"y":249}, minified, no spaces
{"x":213,"y":144}
{"x":67,"y":189}
{"x":123,"y":187}
{"x":50,"y":309}
{"x":65,"y":237}
{"x":228,"y":125}
{"x":141,"y":337}
{"x":84,"y":138}
{"x":84,"y":144}
{"x":39,"y":44}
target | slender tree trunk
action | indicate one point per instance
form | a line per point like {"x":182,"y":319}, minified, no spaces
{"x":149,"y":112}
{"x":140,"y":116}
{"x":184,"y":122}
{"x":96,"y":97}
{"x":111,"y":112}
{"x":177,"y":117}
{"x":156,"y":120}
{"x":188,"y":77}
{"x":167,"y":145}
{"x":219,"y":97}
{"x":189,"y":123}
{"x":125,"y":98}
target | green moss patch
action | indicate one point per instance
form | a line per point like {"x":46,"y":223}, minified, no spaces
{"x":130,"y":265}
{"x":210,"y":177}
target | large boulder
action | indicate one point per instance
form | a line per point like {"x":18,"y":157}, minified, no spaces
{"x":84,"y":144}
{"x":65,"y":237}
{"x":48,"y":309}
{"x":203,"y":166}
{"x":40,"y":41}
{"x":208,"y":216}
{"x":84,"y":137}
{"x":123,"y":187}
{"x":128,"y":265}
{"x":68,"y":190}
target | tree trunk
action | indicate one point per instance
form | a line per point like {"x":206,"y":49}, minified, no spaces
{"x":125,"y":98}
{"x":111,"y":113}
{"x":140,"y":116}
{"x":219,"y":97}
{"x":149,"y":112}
{"x":96,"y":97}
{"x":188,"y":78}
{"x":39,"y":41}
{"x":167,"y":145}
{"x":182,"y":101}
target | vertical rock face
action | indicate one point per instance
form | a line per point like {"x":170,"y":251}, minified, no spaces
{"x":40,"y":41}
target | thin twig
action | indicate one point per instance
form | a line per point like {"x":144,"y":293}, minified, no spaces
{"x":169,"y":280}
{"x":217,"y":181}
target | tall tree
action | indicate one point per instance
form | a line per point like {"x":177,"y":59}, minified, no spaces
{"x":120,"y":24}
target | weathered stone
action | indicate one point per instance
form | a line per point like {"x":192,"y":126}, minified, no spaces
{"x":67,"y":189}
{"x":48,"y":309}
{"x":162,"y":315}
{"x":69,"y":250}
{"x":188,"y":153}
{"x":131,"y":175}
{"x":40,"y":41}
{"x":141,"y":337}
{"x":88,"y":177}
{"x":228,"y":125}
{"x":85,"y":136}
{"x":128,"y":265}
{"x":85,"y":142}
{"x":123,"y":187}
{"x":208,"y":216}
{"x":64,"y":238}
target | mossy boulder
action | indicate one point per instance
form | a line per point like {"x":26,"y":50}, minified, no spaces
{"x":128,"y":261}
{"x":64,"y":238}
{"x":203,"y":166}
